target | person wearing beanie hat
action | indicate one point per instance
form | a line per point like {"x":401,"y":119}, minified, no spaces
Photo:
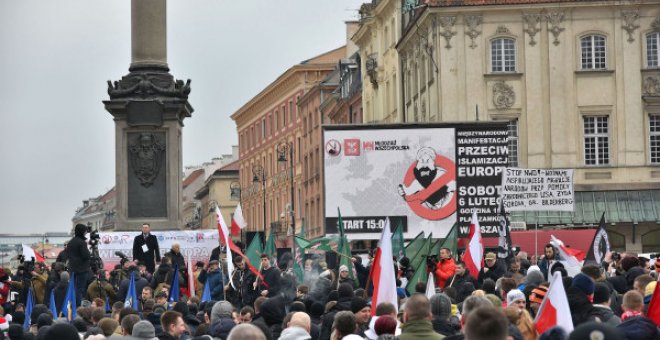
{"x":515,"y":297}
{"x":629,"y":262}
{"x":602,"y":305}
{"x":345,"y":297}
{"x":441,"y":313}
{"x":345,"y":277}
{"x":596,"y":330}
{"x":4,"y":324}
{"x":62,"y":331}
{"x":16,"y":332}
{"x":580,"y":294}
{"x":362,"y":311}
{"x":315,"y":312}
{"x":536,"y":298}
{"x":144,"y":330}
{"x":585,"y":283}
{"x":44,"y":320}
{"x":385,"y":325}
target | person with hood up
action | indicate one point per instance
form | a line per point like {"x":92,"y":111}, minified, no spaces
{"x":634,"y":325}
{"x":298,"y":328}
{"x":345,"y":296}
{"x":79,"y":259}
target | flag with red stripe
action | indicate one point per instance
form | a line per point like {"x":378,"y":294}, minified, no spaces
{"x":238,"y":221}
{"x":29,"y":254}
{"x":223,"y":231}
{"x":382,"y":272}
{"x":554,"y":310}
{"x":474,"y":253}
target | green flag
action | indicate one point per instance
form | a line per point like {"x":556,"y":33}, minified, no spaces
{"x":451,"y":240}
{"x":299,"y":254}
{"x":420,"y":257}
{"x":270,"y":249}
{"x":254,"y":250}
{"x":435,"y":247}
{"x":327,"y":243}
{"x":344,"y":250}
{"x":340,"y":224}
{"x":415,"y":245}
{"x":398,"y":249}
{"x":420,"y":276}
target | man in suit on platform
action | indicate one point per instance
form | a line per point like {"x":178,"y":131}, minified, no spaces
{"x":145,"y":248}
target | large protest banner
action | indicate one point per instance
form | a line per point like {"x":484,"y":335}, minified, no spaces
{"x":538,"y":189}
{"x":198,"y":244}
{"x":424,"y":177}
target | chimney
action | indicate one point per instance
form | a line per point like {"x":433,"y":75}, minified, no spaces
{"x":351,"y":28}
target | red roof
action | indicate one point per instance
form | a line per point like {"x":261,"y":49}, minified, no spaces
{"x":233,"y":166}
{"x":192,"y":177}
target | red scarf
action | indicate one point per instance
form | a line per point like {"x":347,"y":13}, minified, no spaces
{"x":630,"y":314}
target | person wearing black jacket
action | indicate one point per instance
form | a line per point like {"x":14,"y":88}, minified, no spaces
{"x":270,"y":286}
{"x":493,"y":269}
{"x":242,"y":292}
{"x":145,"y":248}
{"x":79,"y":260}
{"x":175,"y":255}
{"x":459,"y":281}
{"x":345,"y":294}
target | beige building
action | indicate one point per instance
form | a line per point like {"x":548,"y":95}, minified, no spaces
{"x":578,"y":81}
{"x":376,"y":38}
{"x":270,"y":147}
{"x":220,"y":189}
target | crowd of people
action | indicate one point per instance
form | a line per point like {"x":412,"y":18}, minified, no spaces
{"x":607,"y":300}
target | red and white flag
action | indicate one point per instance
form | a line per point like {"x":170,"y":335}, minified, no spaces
{"x":653,"y":312}
{"x":554,"y":310}
{"x":226,"y":239}
{"x":570,"y":257}
{"x":382,"y":271}
{"x":474,"y":253}
{"x":238,"y":221}
{"x":29,"y":254}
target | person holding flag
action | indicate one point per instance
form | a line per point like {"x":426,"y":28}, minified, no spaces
{"x":269,"y":286}
{"x":239,"y":291}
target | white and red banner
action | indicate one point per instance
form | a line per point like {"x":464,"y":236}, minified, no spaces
{"x":474,"y":253}
{"x":554,"y":310}
{"x":29,"y":254}
{"x":196,"y":243}
{"x":226,"y":239}
{"x":382,"y":272}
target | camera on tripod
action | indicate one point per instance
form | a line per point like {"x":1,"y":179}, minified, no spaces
{"x":94,"y":236}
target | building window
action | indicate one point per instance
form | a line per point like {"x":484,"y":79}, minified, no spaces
{"x":513,"y":142}
{"x":652,"y":55}
{"x":263,"y":127}
{"x":654,"y":138}
{"x":503,"y":55}
{"x":596,"y":140}
{"x":593,"y":52}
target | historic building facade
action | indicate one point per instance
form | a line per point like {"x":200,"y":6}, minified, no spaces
{"x":578,"y":82}
{"x":376,"y":38}
{"x":270,"y":147}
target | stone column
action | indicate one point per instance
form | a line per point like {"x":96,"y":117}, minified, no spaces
{"x":148,"y":106}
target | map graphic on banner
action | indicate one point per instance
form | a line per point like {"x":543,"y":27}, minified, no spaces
{"x":423,"y":178}
{"x":198,"y":244}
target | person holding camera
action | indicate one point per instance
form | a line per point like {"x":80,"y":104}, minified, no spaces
{"x":79,"y":260}
{"x":445,"y":268}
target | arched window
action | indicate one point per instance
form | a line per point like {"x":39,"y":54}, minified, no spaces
{"x":593,"y":48}
{"x":652,"y":48}
{"x":503,"y":55}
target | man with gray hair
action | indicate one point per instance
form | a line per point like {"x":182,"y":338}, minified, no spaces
{"x":246,"y":331}
{"x":298,"y":328}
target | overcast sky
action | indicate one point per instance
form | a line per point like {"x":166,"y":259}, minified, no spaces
{"x":57,"y":140}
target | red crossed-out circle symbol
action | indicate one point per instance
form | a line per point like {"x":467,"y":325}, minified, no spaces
{"x":416,"y":200}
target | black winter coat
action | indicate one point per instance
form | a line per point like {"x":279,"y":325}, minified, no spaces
{"x":152,"y":253}
{"x":329,"y":317}
{"x":79,"y":256}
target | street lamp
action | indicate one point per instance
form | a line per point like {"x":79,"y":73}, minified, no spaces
{"x":44,"y":240}
{"x":259,"y":175}
{"x":282,"y":149}
{"x":235,"y":191}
